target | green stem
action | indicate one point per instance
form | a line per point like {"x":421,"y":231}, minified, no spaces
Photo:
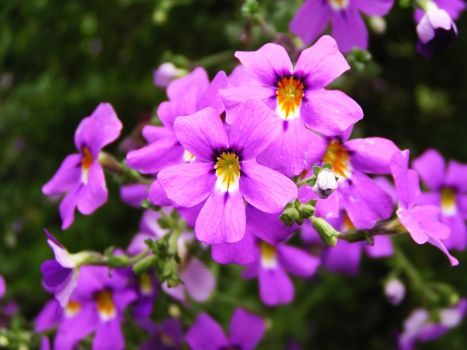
{"x":128,"y":175}
{"x":212,"y":60}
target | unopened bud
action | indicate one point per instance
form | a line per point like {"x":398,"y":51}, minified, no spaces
{"x":394,"y":290}
{"x":290,"y":215}
{"x":325,"y":184}
{"x":166,"y":73}
{"x":378,"y":24}
{"x":307,"y":210}
{"x":327,"y":233}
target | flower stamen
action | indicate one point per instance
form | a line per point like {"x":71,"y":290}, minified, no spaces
{"x":289,"y":95}
{"x":105,"y":305}
{"x":227,"y":172}
{"x":339,"y":158}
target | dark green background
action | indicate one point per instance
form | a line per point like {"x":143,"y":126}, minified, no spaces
{"x":59,"y":59}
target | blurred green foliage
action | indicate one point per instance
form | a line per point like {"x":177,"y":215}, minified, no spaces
{"x":59,"y":59}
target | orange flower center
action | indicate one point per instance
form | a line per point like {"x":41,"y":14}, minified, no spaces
{"x":86,"y":163}
{"x":268,"y":255}
{"x":338,"y":157}
{"x":347,"y":225}
{"x":72,"y":308}
{"x":338,"y":4}
{"x":289,"y":95}
{"x":105,"y":305}
{"x":448,"y":201}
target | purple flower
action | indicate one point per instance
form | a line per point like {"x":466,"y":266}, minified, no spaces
{"x":271,"y":266}
{"x":2,"y":287}
{"x":60,"y":275}
{"x":80,"y":175}
{"x":419,"y":327}
{"x":186,"y":96}
{"x":422,"y":222}
{"x":298,"y":95}
{"x":394,"y":290}
{"x":96,"y":306}
{"x":436,"y":30}
{"x":246,"y":330}
{"x":348,"y":27}
{"x":226,"y":173}
{"x":364,"y":201}
{"x":134,"y":194}
{"x":447,"y":185}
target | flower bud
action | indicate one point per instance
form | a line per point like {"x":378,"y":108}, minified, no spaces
{"x":327,"y":233}
{"x":306,"y":210}
{"x":394,"y":290}
{"x":326,"y":183}
{"x":167,"y":72}
{"x":377,"y":24}
{"x":290,"y":215}
{"x":436,"y":30}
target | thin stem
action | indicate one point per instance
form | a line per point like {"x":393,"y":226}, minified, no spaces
{"x":212,"y":60}
{"x":113,"y":165}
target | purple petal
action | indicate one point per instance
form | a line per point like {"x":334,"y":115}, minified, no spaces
{"x":212,"y":97}
{"x":241,"y":252}
{"x":381,"y":248}
{"x":133,"y":194}
{"x":206,"y":334}
{"x":266,"y":189}
{"x":201,"y":133}
{"x":73,"y":329}
{"x":222,"y":218}
{"x":456,"y":176}
{"x":98,"y":130}
{"x":458,"y":238}
{"x":321,"y":64}
{"x":187,"y":184}
{"x":199,"y":280}
{"x":452,"y":7}
{"x":406,"y":181}
{"x":255,"y":127}
{"x":67,"y":208}
{"x":344,"y":258}
{"x":348,"y":28}
{"x":297,"y":261}
{"x":246,"y":329}
{"x":440,"y":245}
{"x":2,"y":287}
{"x":371,"y":155}
{"x":235,"y":95}
{"x":374,"y":7}
{"x":266,"y":63}
{"x":152,"y":158}
{"x":431,"y":168}
{"x":109,"y":336}
{"x":66,"y":177}
{"x":168,"y":111}
{"x":48,"y":317}
{"x":198,"y":78}
{"x":365,"y":202}
{"x":295,"y":149}
{"x":310,"y":20}
{"x":266,"y":226}
{"x":157,"y":195}
{"x":330,"y":112}
{"x":275,"y":287}
{"x":93,"y":194}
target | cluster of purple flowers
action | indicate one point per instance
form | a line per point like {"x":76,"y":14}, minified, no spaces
{"x":230,"y":156}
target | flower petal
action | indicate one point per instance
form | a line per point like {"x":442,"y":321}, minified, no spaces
{"x":68,"y":206}
{"x":348,"y":28}
{"x":187,"y":184}
{"x":275,"y":287}
{"x":246,"y":329}
{"x":93,"y":194}
{"x":456,"y":176}
{"x":241,"y":252}
{"x":310,"y":20}
{"x":266,"y":226}
{"x":374,"y":7}
{"x":372,"y":154}
{"x":178,"y":88}
{"x":66,"y":177}
{"x":168,"y":111}
{"x":206,"y":334}
{"x":321,"y":64}
{"x":199,"y":280}
{"x":297,"y":261}
{"x":266,"y":63}
{"x":405,"y":180}
{"x":222,"y":218}
{"x":431,"y":168}
{"x":266,"y":189}
{"x":109,"y":336}
{"x":201,"y":133}
{"x":98,"y":130}
{"x":255,"y":127}
{"x":440,"y":245}
{"x":330,"y":112}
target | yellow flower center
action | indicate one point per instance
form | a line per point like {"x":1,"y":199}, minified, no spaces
{"x":86,"y":163}
{"x":72,"y":308}
{"x":145,"y":284}
{"x":289,"y":95}
{"x":188,"y":157}
{"x":338,"y":157}
{"x":347,"y":225}
{"x":227,"y":172}
{"x":105,"y":305}
{"x":268,"y":255}
{"x":338,"y":4}
{"x":448,"y":201}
